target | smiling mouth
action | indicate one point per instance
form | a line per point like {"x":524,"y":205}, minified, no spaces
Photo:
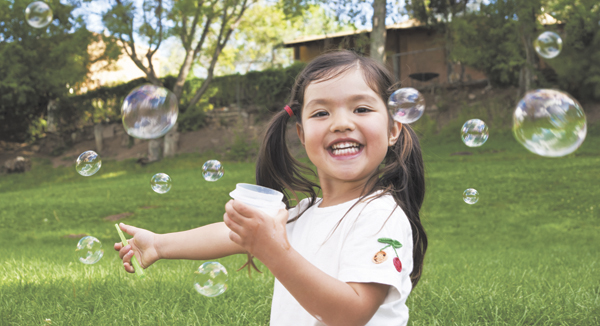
{"x":345,"y":148}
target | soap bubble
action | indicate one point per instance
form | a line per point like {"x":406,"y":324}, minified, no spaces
{"x":149,"y":112}
{"x":548,"y":45}
{"x":38,"y":14}
{"x":474,"y":133}
{"x":406,"y":105}
{"x":470,"y":196}
{"x":88,"y":163}
{"x":212,"y":170}
{"x":161,"y":183}
{"x":549,"y":123}
{"x":211,"y":279}
{"x":89,"y":250}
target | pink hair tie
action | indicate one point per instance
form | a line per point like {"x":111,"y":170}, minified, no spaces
{"x":289,"y":110}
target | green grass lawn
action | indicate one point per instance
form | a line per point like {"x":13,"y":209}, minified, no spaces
{"x":526,"y":254}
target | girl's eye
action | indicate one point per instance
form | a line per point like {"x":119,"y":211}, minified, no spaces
{"x":362,"y":110}
{"x":320,"y":114}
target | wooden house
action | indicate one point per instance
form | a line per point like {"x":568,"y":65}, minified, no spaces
{"x":415,"y":53}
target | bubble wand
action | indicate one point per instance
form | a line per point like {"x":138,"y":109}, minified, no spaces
{"x":138,"y":269}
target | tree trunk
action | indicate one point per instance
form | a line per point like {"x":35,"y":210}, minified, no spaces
{"x":51,"y":122}
{"x":98,"y":128}
{"x":527,"y":14}
{"x":154,"y":149}
{"x":170,"y":143}
{"x":526,"y":75}
{"x":378,"y":34}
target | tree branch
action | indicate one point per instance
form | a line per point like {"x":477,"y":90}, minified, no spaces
{"x":221,"y":42}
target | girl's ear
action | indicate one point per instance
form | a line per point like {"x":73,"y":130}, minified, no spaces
{"x":300,"y":132}
{"x":394,"y":133}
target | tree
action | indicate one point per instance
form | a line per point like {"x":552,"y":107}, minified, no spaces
{"x":489,"y":40}
{"x":204,"y":28}
{"x":352,"y":11}
{"x":527,"y":14}
{"x":258,"y":42}
{"x":36,"y":65}
{"x":577,"y":68}
{"x":378,"y":33}
{"x":438,"y":14}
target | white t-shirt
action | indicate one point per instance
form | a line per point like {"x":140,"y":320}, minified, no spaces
{"x":348,"y":255}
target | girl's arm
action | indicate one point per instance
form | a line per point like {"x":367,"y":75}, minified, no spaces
{"x":326,"y":298}
{"x":203,"y":243}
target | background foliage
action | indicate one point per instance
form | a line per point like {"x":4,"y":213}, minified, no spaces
{"x":262,"y":91}
{"x":38,"y":65}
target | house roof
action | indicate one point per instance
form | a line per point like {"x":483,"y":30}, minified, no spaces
{"x":407,"y":24}
{"x":544,"y":19}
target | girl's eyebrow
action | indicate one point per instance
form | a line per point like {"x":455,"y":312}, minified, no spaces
{"x":353,"y":98}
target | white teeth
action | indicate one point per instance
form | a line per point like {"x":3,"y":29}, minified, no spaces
{"x":345,"y":145}
{"x":346,"y":151}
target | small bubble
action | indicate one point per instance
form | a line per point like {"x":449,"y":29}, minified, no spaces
{"x":474,"y":133}
{"x":212,"y":170}
{"x":406,"y":105}
{"x":160,"y":183}
{"x":211,"y":279}
{"x":471,"y":196}
{"x":89,"y":250}
{"x":88,"y":163}
{"x":548,"y":45}
{"x":149,"y":112}
{"x":38,"y":14}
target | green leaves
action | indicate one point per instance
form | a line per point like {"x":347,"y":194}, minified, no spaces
{"x":390,"y":242}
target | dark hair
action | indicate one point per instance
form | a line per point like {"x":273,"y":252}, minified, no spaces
{"x":402,"y":175}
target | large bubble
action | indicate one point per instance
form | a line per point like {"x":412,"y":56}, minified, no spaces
{"x":160,"y":183}
{"x":471,"y":196}
{"x":211,"y":279}
{"x":549,"y":123}
{"x":38,"y":14}
{"x":548,"y":45}
{"x":88,"y":163}
{"x":474,"y":133}
{"x":149,"y":112}
{"x":406,"y":105}
{"x":89,"y":250}
{"x":212,"y":170}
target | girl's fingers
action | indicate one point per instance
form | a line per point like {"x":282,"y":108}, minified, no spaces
{"x":127,"y":257}
{"x":242,"y":209}
{"x":131,"y":230}
{"x":232,"y":225}
{"x":235,"y":238}
{"x":128,"y":268}
{"x":118,"y":246}
{"x":234,"y":214}
{"x":124,"y":251}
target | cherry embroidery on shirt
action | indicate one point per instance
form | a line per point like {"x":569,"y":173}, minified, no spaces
{"x":380,"y":257}
{"x":395,"y":244}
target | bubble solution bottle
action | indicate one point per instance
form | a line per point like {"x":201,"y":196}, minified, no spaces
{"x":265,"y":199}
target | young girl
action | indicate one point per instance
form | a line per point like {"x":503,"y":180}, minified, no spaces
{"x":352,"y":256}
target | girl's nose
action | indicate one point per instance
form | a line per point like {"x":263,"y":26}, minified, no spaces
{"x":341,"y":122}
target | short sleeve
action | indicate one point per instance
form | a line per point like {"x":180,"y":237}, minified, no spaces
{"x":357,"y":257}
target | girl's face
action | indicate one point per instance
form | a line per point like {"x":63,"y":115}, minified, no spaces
{"x":345,"y":128}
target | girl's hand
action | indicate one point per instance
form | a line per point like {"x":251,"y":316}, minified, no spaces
{"x":260,"y":234}
{"x":141,"y":245}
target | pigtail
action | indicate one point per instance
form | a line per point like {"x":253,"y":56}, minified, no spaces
{"x":404,"y":177}
{"x":276,"y":168}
